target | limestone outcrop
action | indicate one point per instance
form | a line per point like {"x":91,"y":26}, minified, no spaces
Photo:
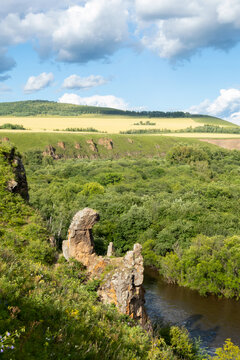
{"x":121,"y":277}
{"x":107,"y":143}
{"x":92,"y":145}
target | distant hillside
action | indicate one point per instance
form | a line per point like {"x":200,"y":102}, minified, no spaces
{"x":43,"y":108}
{"x":95,"y":146}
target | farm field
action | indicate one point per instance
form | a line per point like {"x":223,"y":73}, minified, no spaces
{"x":112,"y":124}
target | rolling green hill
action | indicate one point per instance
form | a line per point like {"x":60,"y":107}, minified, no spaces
{"x":47,"y":108}
{"x":92,"y":146}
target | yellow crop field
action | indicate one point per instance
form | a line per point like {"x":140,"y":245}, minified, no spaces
{"x":106,"y":123}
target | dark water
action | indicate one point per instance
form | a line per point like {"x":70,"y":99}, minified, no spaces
{"x":212,"y":319}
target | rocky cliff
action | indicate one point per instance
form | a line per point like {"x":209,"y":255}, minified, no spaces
{"x":120,"y":278}
{"x":18,"y":184}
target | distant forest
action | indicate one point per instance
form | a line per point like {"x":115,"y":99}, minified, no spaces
{"x":42,"y":107}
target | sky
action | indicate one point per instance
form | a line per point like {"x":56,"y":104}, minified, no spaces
{"x":163,"y":55}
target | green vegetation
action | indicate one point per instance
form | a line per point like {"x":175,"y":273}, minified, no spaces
{"x":123,"y":146}
{"x":50,"y":108}
{"x":145,"y":123}
{"x":147,"y":131}
{"x":90,"y":129}
{"x":216,"y":129}
{"x":163,"y":202}
{"x":212,"y":129}
{"x":12,"y":127}
{"x":49,"y":308}
{"x":209,"y":265}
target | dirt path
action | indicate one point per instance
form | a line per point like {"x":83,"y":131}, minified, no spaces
{"x":231,"y":144}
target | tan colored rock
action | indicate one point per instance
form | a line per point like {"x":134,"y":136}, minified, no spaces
{"x":107,"y":143}
{"x":50,"y":151}
{"x":80,"y":243}
{"x":121,"y":278}
{"x":123,"y":286}
{"x":61,"y":144}
{"x":110,"y":250}
{"x":92,"y":145}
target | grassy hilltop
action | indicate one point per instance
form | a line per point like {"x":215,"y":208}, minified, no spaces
{"x":45,"y":115}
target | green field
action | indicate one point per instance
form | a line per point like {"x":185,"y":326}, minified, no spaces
{"x":123,"y":145}
{"x":48,"y":116}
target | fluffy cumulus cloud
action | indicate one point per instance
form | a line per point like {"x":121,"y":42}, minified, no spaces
{"x":36,"y":83}
{"x":83,"y":30}
{"x":77,"y":32}
{"x":78,"y":82}
{"x":226,"y":105}
{"x":174,"y":28}
{"x":95,"y":100}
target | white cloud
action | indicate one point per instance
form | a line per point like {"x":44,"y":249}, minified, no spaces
{"x":176,"y":29}
{"x":226,"y":105}
{"x":36,"y":83}
{"x":96,"y":100}
{"x":92,"y":30}
{"x":83,"y":30}
{"x":78,"y":82}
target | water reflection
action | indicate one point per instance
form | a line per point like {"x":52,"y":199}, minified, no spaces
{"x":210,"y":318}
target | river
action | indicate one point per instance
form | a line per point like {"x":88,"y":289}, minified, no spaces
{"x":210,"y":318}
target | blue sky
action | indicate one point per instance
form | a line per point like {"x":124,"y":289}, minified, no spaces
{"x":130,"y":54}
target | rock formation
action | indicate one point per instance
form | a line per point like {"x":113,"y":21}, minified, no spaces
{"x":19,"y":183}
{"x":110,"y":250}
{"x":121,"y":277}
{"x":51,"y":151}
{"x":80,"y":243}
{"x":61,"y":144}
{"x":107,"y":143}
{"x":92,"y":145}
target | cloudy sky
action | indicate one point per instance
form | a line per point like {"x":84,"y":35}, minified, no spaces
{"x":129,"y":54}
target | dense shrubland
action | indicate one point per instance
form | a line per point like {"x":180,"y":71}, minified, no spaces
{"x":48,"y":307}
{"x":163,"y":203}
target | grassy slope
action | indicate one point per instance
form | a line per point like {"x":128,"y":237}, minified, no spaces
{"x":51,"y":311}
{"x":60,"y":116}
{"x":141,"y":145}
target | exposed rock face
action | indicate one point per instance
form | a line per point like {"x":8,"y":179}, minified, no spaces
{"x":123,"y":285}
{"x":51,"y":151}
{"x":123,"y":277}
{"x":80,"y":243}
{"x":19,"y":183}
{"x":110,"y":250}
{"x":92,"y":145}
{"x":61,"y":144}
{"x":107,"y":143}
